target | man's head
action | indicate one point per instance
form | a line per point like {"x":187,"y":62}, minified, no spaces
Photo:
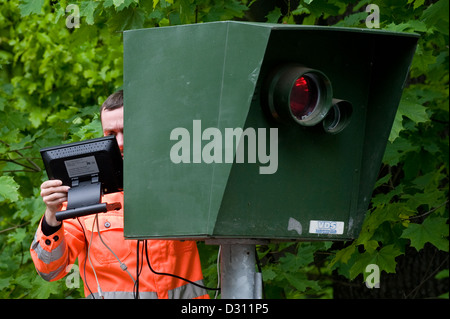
{"x":111,"y":115}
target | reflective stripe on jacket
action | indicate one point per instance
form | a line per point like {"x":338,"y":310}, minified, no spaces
{"x":54,"y":256}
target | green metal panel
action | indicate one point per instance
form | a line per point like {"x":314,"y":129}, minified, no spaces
{"x":194,"y":77}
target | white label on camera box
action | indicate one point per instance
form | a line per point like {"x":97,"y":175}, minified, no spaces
{"x":81,"y":166}
{"x":326,"y":227}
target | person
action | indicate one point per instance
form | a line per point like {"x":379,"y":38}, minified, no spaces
{"x":107,"y":262}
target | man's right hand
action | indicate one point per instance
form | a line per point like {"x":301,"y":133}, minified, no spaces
{"x":54,"y":194}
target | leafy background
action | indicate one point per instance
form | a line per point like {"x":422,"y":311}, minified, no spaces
{"x":54,"y":78}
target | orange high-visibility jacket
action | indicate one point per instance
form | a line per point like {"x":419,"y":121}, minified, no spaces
{"x":54,"y":255}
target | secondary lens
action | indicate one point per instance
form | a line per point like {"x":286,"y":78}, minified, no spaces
{"x":338,"y":117}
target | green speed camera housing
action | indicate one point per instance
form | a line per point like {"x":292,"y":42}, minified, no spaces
{"x":256,"y":131}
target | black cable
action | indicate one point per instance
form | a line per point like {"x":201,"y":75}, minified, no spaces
{"x":172,"y":275}
{"x":136,"y":283}
{"x":84,"y":267}
{"x":138,"y":270}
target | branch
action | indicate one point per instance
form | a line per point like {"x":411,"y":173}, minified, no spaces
{"x":12,"y":228}
{"x":35,"y":167}
{"x":428,"y":212}
{"x":18,"y":163}
{"x":20,"y":170}
{"x":432,"y":274}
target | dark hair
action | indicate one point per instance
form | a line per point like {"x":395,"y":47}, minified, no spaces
{"x":114,"y":101}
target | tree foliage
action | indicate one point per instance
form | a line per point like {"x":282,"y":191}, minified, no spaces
{"x":54,"y":77}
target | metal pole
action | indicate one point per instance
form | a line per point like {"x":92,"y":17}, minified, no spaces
{"x":238,"y":276}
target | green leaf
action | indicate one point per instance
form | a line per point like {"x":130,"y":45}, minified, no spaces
{"x":28,"y":7}
{"x":383,"y":213}
{"x":343,"y":255}
{"x":87,"y":9}
{"x":382,"y":180}
{"x":37,"y":116}
{"x":413,"y":111}
{"x":129,"y":18}
{"x":8,"y":189}
{"x":422,"y":61}
{"x":2,"y":102}
{"x":436,"y":15}
{"x":45,"y":288}
{"x":122,"y":4}
{"x":433,"y":230}
{"x":292,"y":263}
{"x":418,"y":3}
{"x":118,"y":2}
{"x":397,"y":127}
{"x":17,"y":236}
{"x":24,"y":281}
{"x":371,"y":245}
{"x":410,"y":109}
{"x":4,"y":283}
{"x":269,"y":273}
{"x":442,"y":274}
{"x":384,"y":259}
{"x":396,"y":150}
{"x":301,"y":10}
{"x":274,"y":15}
{"x":353,"y":20}
{"x":301,"y":282}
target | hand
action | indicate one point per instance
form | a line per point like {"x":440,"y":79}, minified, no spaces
{"x":53,"y":193}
